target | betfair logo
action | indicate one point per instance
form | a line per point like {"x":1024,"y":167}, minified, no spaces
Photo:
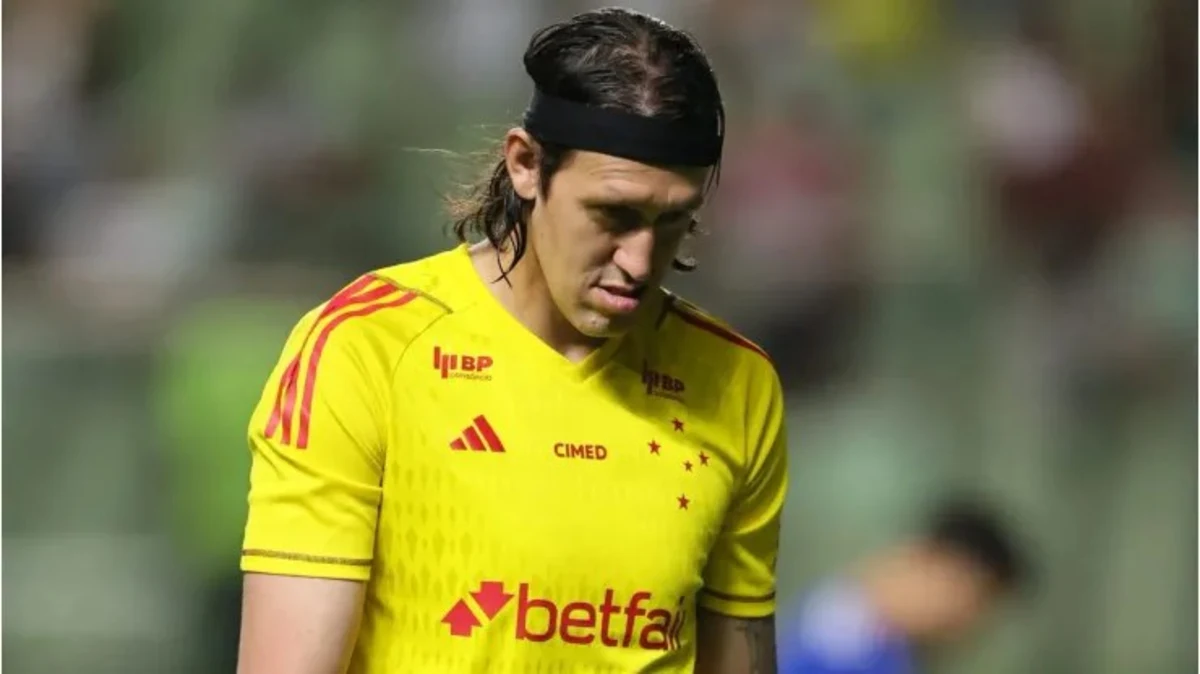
{"x":461,"y":366}
{"x":612,"y":624}
{"x":478,"y":437}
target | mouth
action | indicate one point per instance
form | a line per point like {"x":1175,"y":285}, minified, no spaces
{"x":620,"y":299}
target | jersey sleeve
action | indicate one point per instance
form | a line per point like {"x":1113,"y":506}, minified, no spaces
{"x":739,"y":579}
{"x":317,"y":445}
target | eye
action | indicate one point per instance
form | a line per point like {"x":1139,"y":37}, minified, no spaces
{"x":619,"y":218}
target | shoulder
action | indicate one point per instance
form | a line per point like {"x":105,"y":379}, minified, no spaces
{"x":708,"y":349}
{"x":720,"y":336}
{"x":377,"y":315}
{"x":436,"y":279}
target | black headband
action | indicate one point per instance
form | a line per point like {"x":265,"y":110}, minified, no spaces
{"x":650,"y":140}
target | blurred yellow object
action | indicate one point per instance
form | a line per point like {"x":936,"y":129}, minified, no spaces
{"x":871,"y":33}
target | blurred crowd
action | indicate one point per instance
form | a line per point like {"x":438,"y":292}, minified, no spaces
{"x":965,"y":230}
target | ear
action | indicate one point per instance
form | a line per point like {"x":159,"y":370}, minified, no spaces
{"x":521,"y":159}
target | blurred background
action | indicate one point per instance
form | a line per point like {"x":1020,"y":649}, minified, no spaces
{"x":965,"y":229}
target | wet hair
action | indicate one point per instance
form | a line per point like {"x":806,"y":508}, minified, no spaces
{"x":610,"y":58}
{"x":970,"y":529}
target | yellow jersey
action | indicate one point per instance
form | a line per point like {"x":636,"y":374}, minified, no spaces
{"x":510,"y":510}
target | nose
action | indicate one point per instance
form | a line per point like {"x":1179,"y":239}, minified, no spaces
{"x":635,"y":254}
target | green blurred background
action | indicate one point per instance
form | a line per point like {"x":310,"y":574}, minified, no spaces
{"x":966,"y":230}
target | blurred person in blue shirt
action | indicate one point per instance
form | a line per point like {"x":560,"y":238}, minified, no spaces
{"x":907,"y":600}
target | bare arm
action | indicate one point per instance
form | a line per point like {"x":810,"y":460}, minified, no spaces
{"x":297,"y":625}
{"x":728,"y":645}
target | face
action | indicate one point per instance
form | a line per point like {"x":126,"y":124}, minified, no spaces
{"x":948,"y":596}
{"x":606,"y":232}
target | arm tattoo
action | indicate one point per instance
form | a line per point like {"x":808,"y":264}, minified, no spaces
{"x":759,"y":635}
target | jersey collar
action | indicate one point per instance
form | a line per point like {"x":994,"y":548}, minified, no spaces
{"x":513,"y":329}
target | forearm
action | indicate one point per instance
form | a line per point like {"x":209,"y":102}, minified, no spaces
{"x":728,"y":645}
{"x":297,"y":625}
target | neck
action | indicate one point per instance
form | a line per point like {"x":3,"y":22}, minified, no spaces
{"x":524,"y":293}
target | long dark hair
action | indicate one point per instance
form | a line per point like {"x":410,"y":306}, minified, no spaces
{"x":610,"y":58}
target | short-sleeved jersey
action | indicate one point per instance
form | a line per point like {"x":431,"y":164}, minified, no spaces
{"x":511,"y":510}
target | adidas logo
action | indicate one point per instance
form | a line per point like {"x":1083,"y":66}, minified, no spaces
{"x":478,"y":437}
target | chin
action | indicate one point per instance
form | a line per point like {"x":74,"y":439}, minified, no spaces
{"x":596,"y":329}
{"x":598,"y":326}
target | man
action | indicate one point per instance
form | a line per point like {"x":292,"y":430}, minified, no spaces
{"x":908,"y":599}
{"x":523,"y":455}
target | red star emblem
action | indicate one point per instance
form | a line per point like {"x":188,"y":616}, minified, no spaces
{"x":683,"y":501}
{"x":654,"y":447}
{"x":677,"y":424}
{"x":687,"y":465}
{"x":703,"y":459}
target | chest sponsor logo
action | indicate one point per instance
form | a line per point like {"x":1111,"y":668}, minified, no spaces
{"x":616,"y":621}
{"x":661,"y":384}
{"x":570,"y":450}
{"x":461,"y":365}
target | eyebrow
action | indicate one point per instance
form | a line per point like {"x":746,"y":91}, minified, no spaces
{"x":691,"y":204}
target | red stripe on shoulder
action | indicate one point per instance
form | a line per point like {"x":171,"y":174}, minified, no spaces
{"x":318,"y":349}
{"x":365,"y":290}
{"x":708,"y":325}
{"x":347,"y":294}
